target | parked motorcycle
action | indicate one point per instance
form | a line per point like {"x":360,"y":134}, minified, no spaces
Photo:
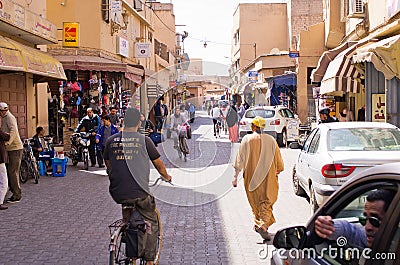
{"x":80,"y":148}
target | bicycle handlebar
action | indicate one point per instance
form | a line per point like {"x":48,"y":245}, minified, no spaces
{"x":161,"y":179}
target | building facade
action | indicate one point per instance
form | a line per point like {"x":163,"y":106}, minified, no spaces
{"x":24,"y":30}
{"x":115,"y":53}
{"x":360,"y":70}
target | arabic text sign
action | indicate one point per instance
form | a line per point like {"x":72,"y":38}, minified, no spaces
{"x":378,"y":107}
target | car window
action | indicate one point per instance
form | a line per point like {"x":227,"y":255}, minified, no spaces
{"x":260,"y":112}
{"x":346,"y":215}
{"x":289,"y":113}
{"x":314,"y":143}
{"x":282,"y":113}
{"x":308,"y":140}
{"x":364,"y":139}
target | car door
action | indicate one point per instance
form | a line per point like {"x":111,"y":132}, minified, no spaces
{"x":292,"y":125}
{"x":302,"y":170}
{"x":310,"y":159}
{"x":347,"y":206}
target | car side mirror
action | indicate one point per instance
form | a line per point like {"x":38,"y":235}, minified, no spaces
{"x":291,"y":237}
{"x":295,"y":145}
{"x":296,"y":116}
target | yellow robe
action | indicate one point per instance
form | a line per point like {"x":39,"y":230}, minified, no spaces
{"x":260,"y":159}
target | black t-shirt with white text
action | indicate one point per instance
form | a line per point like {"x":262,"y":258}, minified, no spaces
{"x":129,"y":154}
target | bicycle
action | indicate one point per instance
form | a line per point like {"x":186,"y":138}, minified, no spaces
{"x":118,"y":230}
{"x":29,"y":166}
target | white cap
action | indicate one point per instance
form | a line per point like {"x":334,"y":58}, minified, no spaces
{"x":3,"y":106}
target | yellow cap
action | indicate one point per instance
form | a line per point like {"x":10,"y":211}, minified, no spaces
{"x":259,"y":122}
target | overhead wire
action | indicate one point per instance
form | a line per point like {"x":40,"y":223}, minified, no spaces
{"x":201,"y":40}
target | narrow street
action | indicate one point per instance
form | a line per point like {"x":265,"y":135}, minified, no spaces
{"x":64,"y":220}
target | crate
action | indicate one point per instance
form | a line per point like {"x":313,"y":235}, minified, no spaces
{"x":59,"y":167}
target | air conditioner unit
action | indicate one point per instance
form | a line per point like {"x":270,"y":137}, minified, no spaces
{"x":356,"y":9}
{"x":138,"y":5}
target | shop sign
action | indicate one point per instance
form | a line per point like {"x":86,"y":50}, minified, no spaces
{"x":294,"y":54}
{"x":253,"y":76}
{"x":20,"y":17}
{"x":70,"y":34}
{"x":142,"y":50}
{"x":378,"y":107}
{"x":122,"y":46}
{"x":116,"y":12}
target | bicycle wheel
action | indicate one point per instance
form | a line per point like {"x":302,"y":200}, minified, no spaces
{"x":24,"y":171}
{"x":117,"y":248}
{"x":86,"y":161}
{"x":35,"y":172}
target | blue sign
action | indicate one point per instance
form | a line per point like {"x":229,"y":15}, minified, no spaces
{"x":294,"y":54}
{"x":252,"y":74}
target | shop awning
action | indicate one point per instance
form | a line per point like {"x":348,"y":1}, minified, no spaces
{"x":383,"y":54}
{"x":95,"y":63}
{"x":341,"y":75}
{"x":18,"y":57}
{"x":285,"y":80}
{"x":328,"y":56}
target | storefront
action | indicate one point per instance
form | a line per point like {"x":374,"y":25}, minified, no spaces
{"x":340,"y":80}
{"x":382,"y":72}
{"x":95,"y":82}
{"x":22,"y":69}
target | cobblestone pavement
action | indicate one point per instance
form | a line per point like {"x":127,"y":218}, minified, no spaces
{"x":64,"y":220}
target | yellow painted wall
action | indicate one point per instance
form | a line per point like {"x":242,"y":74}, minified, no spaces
{"x":87,"y":14}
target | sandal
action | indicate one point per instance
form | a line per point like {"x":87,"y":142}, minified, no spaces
{"x":265,"y":235}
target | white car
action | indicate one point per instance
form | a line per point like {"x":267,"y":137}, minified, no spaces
{"x":281,"y":123}
{"x":334,"y":152}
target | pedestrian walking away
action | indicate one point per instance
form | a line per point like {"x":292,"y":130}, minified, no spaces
{"x":232,"y":122}
{"x":158,"y":114}
{"x":260,"y":159}
{"x":105,"y":131}
{"x":216,"y":116}
{"x":14,"y":151}
{"x":3,"y":171}
{"x":90,"y":124}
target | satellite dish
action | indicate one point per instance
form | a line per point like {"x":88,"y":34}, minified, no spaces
{"x":275,"y":51}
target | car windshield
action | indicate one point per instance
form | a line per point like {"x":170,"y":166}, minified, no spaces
{"x":364,"y":139}
{"x":260,"y":112}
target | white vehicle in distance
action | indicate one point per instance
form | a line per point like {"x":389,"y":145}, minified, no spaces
{"x":281,"y":123}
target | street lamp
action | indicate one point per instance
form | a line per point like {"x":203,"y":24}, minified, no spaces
{"x":255,"y":50}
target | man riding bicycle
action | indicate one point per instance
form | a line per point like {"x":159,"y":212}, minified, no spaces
{"x":178,"y":120}
{"x":127,"y":155}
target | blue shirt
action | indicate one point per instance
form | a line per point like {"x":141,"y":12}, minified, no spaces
{"x":354,"y":234}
